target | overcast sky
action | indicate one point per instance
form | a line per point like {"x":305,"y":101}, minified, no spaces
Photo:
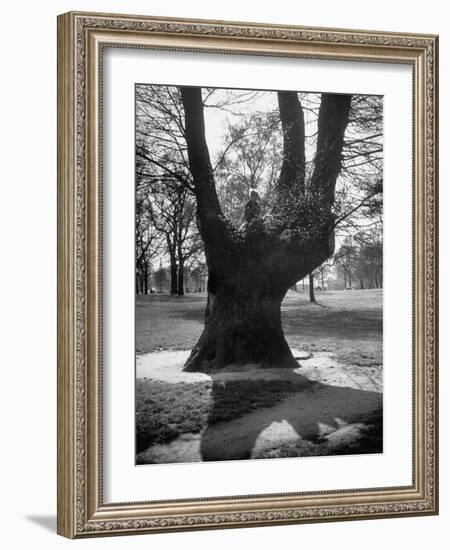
{"x":245,"y":103}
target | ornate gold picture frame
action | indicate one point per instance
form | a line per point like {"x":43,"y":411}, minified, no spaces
{"x":82,"y":39}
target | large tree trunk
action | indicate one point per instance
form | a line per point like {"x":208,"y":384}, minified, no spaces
{"x":246,"y":332}
{"x":243,"y":313}
{"x":242,"y":324}
{"x":250,"y":271}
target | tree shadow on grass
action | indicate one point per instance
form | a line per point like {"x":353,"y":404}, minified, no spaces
{"x":318,"y":419}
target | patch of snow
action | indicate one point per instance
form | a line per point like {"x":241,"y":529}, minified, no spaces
{"x":321,"y":367}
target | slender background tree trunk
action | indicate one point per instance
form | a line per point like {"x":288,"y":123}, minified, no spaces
{"x":180,"y":278}
{"x":312,"y":297}
{"x":173,"y":275}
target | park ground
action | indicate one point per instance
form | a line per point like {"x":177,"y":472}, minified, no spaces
{"x":330,"y":405}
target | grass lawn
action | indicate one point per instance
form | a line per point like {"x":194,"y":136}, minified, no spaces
{"x":345,"y":323}
{"x":165,"y":410}
{"x":168,"y":322}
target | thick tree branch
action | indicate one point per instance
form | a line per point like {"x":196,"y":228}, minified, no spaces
{"x":292,"y":175}
{"x":212,"y":223}
{"x":333,"y":119}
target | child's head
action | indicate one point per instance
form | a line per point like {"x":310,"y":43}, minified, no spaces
{"x":254,"y":195}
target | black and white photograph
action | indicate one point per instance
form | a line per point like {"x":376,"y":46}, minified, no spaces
{"x":259,"y":274}
{"x":220,"y":275}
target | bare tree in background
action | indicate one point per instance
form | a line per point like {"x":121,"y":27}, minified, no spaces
{"x":148,"y":245}
{"x":163,"y":177}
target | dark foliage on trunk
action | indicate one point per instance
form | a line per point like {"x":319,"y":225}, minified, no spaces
{"x":250,"y":271}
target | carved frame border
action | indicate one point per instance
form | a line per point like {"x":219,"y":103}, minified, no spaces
{"x":81,"y":37}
